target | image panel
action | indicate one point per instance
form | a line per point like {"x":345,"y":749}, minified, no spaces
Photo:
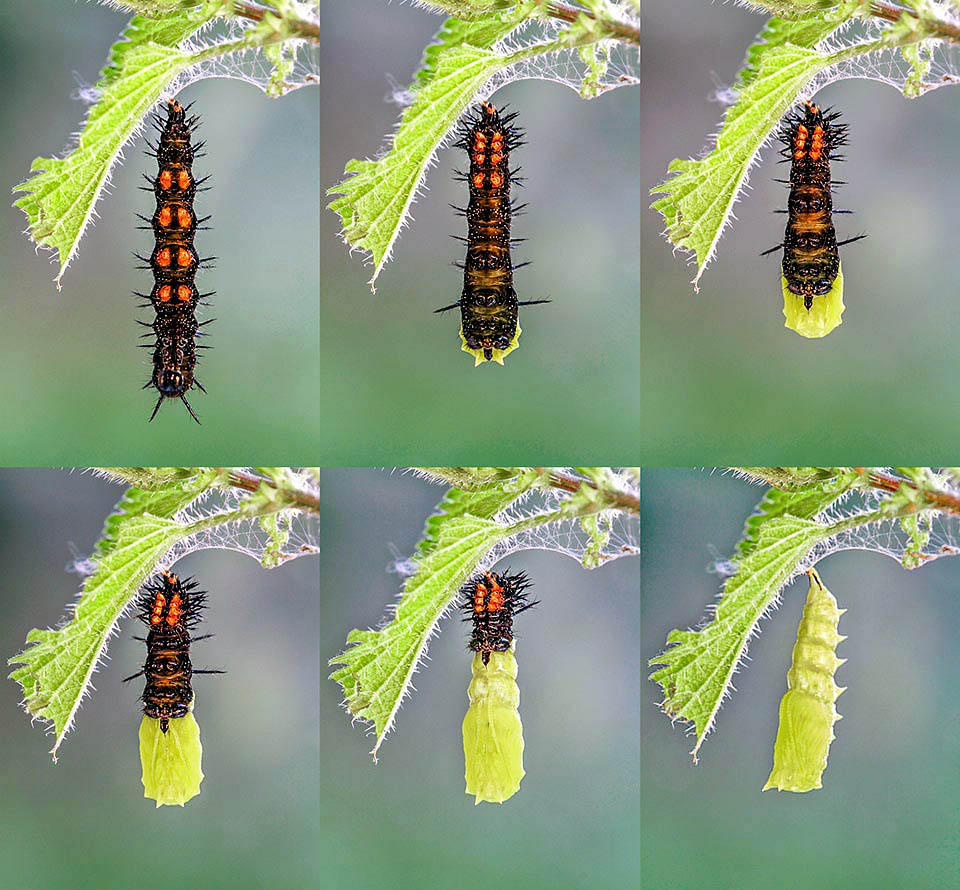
{"x":843,"y":582}
{"x":211,"y":774}
{"x":721,"y":363}
{"x":209,"y":213}
{"x":392,"y":122}
{"x":542,"y":736}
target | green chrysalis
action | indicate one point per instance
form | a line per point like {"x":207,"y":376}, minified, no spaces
{"x":808,"y":710}
{"x":171,"y":760}
{"x":823,"y":316}
{"x":492,"y":731}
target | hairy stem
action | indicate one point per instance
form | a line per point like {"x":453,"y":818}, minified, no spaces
{"x":566,"y":12}
{"x":252,"y":481}
{"x":938,"y":27}
{"x":571,"y":483}
{"x":888,"y":482}
{"x":303,"y":28}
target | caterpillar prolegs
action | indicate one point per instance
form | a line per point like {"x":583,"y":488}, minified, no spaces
{"x":489,"y":308}
{"x":174,"y":260}
{"x":808,"y":709}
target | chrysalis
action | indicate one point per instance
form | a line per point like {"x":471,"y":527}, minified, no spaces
{"x":808,"y":711}
{"x":492,"y":731}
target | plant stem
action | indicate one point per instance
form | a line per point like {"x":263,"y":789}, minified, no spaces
{"x":888,"y":482}
{"x":568,"y":13}
{"x":571,"y":483}
{"x":891,"y":13}
{"x":251,"y":482}
{"x":305,"y":29}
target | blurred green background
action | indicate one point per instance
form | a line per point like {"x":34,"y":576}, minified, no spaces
{"x":722,"y":376}
{"x":406,"y":822}
{"x":70,"y":370}
{"x":84,"y":822}
{"x":886,"y":817}
{"x":392,"y":371}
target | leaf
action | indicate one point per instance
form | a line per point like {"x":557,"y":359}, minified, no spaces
{"x":61,"y":197}
{"x":803,"y":503}
{"x":377,"y":198}
{"x":483,"y":504}
{"x":455,"y":32}
{"x":700,"y":664}
{"x":378,"y":665}
{"x":162,"y":502}
{"x":59,"y":663}
{"x":700,"y":197}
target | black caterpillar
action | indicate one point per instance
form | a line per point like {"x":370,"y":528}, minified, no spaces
{"x":174,"y":260}
{"x":491,"y":601}
{"x":811,"y":259}
{"x":170,"y":610}
{"x":489,"y":309}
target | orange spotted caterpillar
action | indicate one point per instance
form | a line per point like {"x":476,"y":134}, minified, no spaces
{"x":490,"y":601}
{"x":811,"y":260}
{"x":169,"y":609}
{"x":174,"y":260}
{"x":488,"y":304}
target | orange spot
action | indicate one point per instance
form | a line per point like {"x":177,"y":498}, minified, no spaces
{"x":176,"y":610}
{"x":164,"y":216}
{"x":478,"y":158}
{"x":164,"y":294}
{"x":156,"y":613}
{"x":489,"y":108}
{"x":184,"y":294}
{"x":165,"y":179}
{"x":495,"y":159}
{"x":184,"y":258}
{"x":495,"y":603}
{"x":496,"y":179}
{"x":479,"y":140}
{"x":184,"y":218}
{"x":183,"y":180}
{"x":816,"y":146}
{"x":477,"y":181}
{"x":175,"y":105}
{"x":478,"y":598}
{"x":163,"y":257}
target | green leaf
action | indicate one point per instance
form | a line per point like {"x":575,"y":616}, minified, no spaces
{"x":801,"y":503}
{"x":700,"y":197}
{"x":59,"y":663}
{"x":376,"y":199}
{"x":456,"y":32}
{"x":161,"y":502}
{"x":379,"y":665}
{"x":61,"y":196}
{"x":699,"y":665}
{"x":483,"y":504}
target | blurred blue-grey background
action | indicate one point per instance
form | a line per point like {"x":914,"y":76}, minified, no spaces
{"x":84,"y":823}
{"x":70,"y":369}
{"x":392,"y":371}
{"x":722,"y":376}
{"x":886,"y":817}
{"x":406,"y":822}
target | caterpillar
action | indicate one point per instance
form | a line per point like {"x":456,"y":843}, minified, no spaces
{"x":170,"y":610}
{"x":808,"y":709}
{"x":811,"y":257}
{"x":174,"y":260}
{"x":491,"y":601}
{"x":489,"y":308}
